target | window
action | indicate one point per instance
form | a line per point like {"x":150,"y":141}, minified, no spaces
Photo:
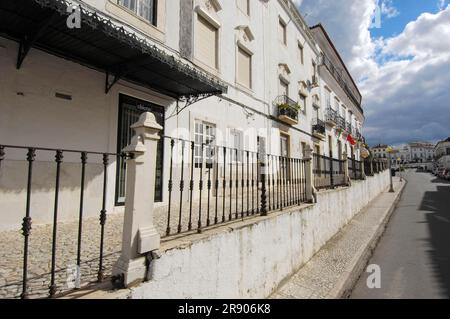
{"x":147,"y":9}
{"x":206,"y":42}
{"x":282,"y":32}
{"x":129,"y":111}
{"x":205,"y":134}
{"x":336,"y":103}
{"x":284,"y":145}
{"x":303,"y":149}
{"x":448,"y":151}
{"x":244,"y":5}
{"x":302,"y":103}
{"x":244,"y":67}
{"x":328,"y":98}
{"x":301,"y":53}
{"x":283,"y":88}
{"x":237,"y":140}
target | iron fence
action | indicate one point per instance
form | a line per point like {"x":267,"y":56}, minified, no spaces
{"x":56,"y":282}
{"x":210,"y":185}
{"x":328,"y":172}
{"x":355,"y":169}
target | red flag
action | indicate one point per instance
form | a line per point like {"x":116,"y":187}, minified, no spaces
{"x":351,"y":140}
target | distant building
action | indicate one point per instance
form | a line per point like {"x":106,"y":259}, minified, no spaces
{"x":442,"y":153}
{"x":380,"y":151}
{"x":421,"y":152}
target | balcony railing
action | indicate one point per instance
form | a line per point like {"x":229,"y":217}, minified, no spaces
{"x":348,"y":127}
{"x":331,"y":116}
{"x":337,"y":74}
{"x":287,"y":109}
{"x":318,"y":128}
{"x":341,"y":122}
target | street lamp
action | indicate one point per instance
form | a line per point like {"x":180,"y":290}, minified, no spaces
{"x":391,"y":189}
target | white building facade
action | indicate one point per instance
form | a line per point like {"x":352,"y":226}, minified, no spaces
{"x":442,"y":151}
{"x":240,"y":74}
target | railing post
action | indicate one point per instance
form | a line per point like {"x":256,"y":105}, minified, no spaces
{"x":331,"y":171}
{"x":346,"y":174}
{"x":140,"y":237}
{"x":363,"y":169}
{"x":262,"y":172}
{"x":309,"y":177}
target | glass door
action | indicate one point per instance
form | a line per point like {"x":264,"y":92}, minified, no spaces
{"x":129,"y":111}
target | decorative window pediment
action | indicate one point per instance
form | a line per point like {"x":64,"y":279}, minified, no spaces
{"x":245,"y":33}
{"x":284,"y":71}
{"x":208,"y":9}
{"x":303,"y":88}
{"x":213,"y":4}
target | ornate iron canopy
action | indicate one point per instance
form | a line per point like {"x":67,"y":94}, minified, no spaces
{"x":104,"y":45}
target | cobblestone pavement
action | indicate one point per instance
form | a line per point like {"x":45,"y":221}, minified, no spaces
{"x":39,"y":258}
{"x":40,"y":243}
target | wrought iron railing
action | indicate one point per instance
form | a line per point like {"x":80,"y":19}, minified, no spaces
{"x":47,"y":259}
{"x":348,"y":127}
{"x":337,"y":74}
{"x":341,"y":122}
{"x":328,"y":172}
{"x":211,"y":185}
{"x":318,"y":126}
{"x":287,"y":107}
{"x":331,"y":115}
{"x":355,"y":169}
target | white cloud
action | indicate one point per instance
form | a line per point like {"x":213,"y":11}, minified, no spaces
{"x":403,"y":79}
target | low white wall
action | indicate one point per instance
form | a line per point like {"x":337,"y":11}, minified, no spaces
{"x":250,"y":259}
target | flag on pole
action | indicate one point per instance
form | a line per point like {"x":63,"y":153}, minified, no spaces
{"x":351,"y":140}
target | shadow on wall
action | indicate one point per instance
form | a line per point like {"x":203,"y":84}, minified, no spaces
{"x":13,"y":189}
{"x":439,"y":224}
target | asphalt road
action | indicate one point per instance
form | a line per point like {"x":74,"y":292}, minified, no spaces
{"x":414,"y":253}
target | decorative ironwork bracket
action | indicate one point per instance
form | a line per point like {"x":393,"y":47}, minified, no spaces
{"x":29,"y":40}
{"x":192,"y":99}
{"x":109,"y":83}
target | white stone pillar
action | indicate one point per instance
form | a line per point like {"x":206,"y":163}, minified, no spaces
{"x":309,"y":176}
{"x":140,"y":236}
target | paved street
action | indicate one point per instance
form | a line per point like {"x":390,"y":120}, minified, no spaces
{"x":414,"y":255}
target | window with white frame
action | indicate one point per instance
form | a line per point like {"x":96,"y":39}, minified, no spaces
{"x":206,"y":42}
{"x":244,"y":66}
{"x":336,"y":103}
{"x":146,"y":9}
{"x":244,"y":5}
{"x":302,"y":103}
{"x":236,"y":141}
{"x":284,"y":145}
{"x":282,"y":31}
{"x":205,"y":137}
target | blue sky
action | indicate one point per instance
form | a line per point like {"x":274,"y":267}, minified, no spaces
{"x":402,"y":68}
{"x":408,"y":10}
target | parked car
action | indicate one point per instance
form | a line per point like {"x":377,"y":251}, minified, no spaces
{"x":447,"y":175}
{"x":442,"y":172}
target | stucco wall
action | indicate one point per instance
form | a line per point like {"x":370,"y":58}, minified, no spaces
{"x":250,"y":259}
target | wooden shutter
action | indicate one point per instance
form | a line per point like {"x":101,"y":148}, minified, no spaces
{"x":206,"y":42}
{"x":244,"y":68}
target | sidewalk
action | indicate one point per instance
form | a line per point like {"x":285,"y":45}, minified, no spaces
{"x":334,"y":270}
